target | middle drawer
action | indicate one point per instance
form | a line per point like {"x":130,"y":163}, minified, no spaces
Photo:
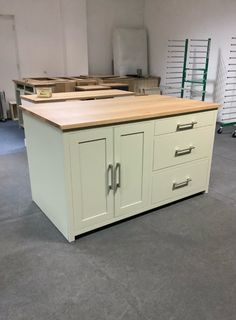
{"x":179,"y":147}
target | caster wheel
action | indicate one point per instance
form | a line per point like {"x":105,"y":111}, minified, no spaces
{"x":234,"y":134}
{"x":220,"y":130}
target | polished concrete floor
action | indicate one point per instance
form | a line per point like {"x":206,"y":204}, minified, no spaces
{"x":176,"y":263}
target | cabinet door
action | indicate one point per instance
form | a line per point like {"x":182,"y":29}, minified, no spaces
{"x":133,"y":149}
{"x":91,"y":174}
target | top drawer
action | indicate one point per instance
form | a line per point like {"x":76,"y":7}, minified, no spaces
{"x":185,"y":122}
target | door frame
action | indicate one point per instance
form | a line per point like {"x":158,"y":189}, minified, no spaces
{"x":11,"y":17}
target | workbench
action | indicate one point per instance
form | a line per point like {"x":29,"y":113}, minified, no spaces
{"x":94,"y":163}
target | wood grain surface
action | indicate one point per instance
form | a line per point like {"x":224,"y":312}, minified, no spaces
{"x":92,"y":87}
{"x":77,"y":114}
{"x":78,"y":95}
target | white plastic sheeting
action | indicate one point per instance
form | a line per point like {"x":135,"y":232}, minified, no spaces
{"x":130,"y":51}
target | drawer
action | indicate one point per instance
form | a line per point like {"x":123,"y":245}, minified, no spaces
{"x":185,"y":122}
{"x":179,"y":182}
{"x":176,"y":148}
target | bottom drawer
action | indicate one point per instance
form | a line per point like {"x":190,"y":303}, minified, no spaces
{"x":180,"y":181}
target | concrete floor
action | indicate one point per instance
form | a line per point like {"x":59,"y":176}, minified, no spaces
{"x":176,"y":263}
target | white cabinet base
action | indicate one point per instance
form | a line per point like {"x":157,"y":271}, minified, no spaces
{"x":86,"y":179}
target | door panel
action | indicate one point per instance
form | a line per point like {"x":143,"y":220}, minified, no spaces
{"x":9,"y":61}
{"x":131,"y":174}
{"x":91,"y":155}
{"x":133,"y":154}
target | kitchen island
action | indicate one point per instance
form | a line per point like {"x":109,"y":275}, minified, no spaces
{"x":94,"y":163}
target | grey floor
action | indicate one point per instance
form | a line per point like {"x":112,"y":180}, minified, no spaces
{"x":176,"y":263}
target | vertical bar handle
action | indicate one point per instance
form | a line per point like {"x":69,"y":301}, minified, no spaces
{"x":110,"y":178}
{"x":117,"y":176}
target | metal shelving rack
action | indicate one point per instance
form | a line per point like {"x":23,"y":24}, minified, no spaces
{"x":187,"y":68}
{"x":174,"y":69}
{"x":228,"y":113}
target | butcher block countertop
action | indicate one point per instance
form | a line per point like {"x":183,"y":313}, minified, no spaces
{"x":78,"y":95}
{"x":73,"y":115}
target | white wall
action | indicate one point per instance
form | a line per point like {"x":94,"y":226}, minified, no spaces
{"x":74,"y":17}
{"x":180,"y":19}
{"x":103,"y":16}
{"x":52,"y":35}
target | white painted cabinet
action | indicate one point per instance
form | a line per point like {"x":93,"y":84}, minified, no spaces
{"x":110,"y":172}
{"x":93,"y":177}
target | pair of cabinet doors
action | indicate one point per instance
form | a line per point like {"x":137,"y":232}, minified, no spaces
{"x":110,"y":172}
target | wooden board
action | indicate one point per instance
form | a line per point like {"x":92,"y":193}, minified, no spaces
{"x":91,"y":88}
{"x":85,"y":82}
{"x":78,"y":95}
{"x":76,"y":114}
{"x":115,"y":84}
{"x":99,"y":76}
{"x":35,"y":83}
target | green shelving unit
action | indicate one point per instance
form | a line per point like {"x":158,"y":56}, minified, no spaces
{"x":187,"y":68}
{"x":195,"y":68}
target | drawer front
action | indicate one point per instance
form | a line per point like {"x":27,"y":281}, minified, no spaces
{"x":176,"y":148}
{"x":185,"y":123}
{"x":179,"y":182}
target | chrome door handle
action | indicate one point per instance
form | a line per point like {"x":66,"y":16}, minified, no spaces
{"x":182,"y":152}
{"x":185,"y":126}
{"x":179,"y":185}
{"x":110,"y":178}
{"x":117,"y":176}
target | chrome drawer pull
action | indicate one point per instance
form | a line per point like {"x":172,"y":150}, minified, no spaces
{"x":183,"y":152}
{"x":110,"y":178}
{"x":181,"y":184}
{"x":117,"y":174}
{"x":186,"y":126}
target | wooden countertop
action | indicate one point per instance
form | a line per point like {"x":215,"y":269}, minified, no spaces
{"x":115,"y":84}
{"x":78,"y":95}
{"x":76,"y":114}
{"x":36,"y":83}
{"x":92,"y":87}
{"x":40,"y":82}
{"x":100,"y":76}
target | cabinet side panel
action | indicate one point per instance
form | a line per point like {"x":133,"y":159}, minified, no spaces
{"x":211,"y":150}
{"x":45,"y":153}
